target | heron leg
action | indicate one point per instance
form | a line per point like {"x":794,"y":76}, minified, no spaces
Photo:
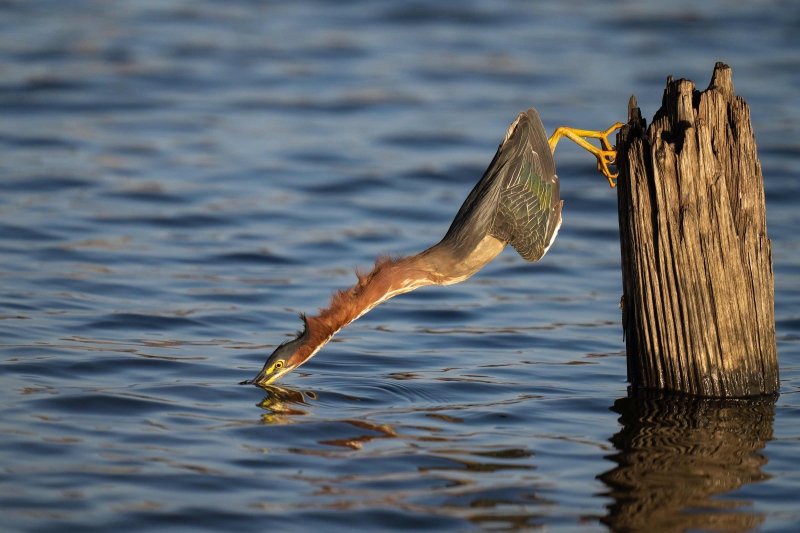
{"x":606,"y":154}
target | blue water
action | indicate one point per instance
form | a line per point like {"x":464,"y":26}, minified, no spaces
{"x":181,"y":179}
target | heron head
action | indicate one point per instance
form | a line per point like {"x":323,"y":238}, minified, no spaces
{"x":283,"y":360}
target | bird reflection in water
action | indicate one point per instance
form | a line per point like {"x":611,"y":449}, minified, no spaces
{"x":677,"y":454}
{"x":282,"y":404}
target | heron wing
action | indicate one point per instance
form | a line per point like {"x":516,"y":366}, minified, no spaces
{"x":529,"y":209}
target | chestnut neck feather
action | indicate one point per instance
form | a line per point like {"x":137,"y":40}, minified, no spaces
{"x":390,"y":277}
{"x":442,"y":264}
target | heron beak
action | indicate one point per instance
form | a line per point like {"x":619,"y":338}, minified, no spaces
{"x":263,"y":378}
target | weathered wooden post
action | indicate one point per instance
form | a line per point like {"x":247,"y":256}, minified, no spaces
{"x":696,"y":261}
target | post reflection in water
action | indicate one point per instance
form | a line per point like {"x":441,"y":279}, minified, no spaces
{"x":675,"y":454}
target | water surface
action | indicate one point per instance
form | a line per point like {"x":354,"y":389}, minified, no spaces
{"x":180,"y":180}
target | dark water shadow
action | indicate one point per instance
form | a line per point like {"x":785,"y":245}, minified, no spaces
{"x":676,"y":455}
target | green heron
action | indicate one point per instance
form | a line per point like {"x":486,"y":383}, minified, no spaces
{"x":516,"y":202}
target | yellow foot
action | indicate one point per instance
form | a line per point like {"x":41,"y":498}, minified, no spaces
{"x":606,"y":155}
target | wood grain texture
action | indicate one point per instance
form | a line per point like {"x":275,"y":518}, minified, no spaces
{"x":696,"y":260}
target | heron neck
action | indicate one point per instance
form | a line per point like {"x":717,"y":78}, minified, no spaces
{"x":442,"y":264}
{"x":388,"y":278}
{"x":453,"y":260}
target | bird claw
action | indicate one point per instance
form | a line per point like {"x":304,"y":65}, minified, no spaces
{"x":606,"y":155}
{"x":605,"y":158}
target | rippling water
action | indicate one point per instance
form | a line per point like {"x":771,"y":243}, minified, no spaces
{"x":180,"y":179}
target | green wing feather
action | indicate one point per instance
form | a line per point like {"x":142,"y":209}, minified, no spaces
{"x":528,"y":209}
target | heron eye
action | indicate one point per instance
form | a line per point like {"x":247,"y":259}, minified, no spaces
{"x":278,"y":365}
